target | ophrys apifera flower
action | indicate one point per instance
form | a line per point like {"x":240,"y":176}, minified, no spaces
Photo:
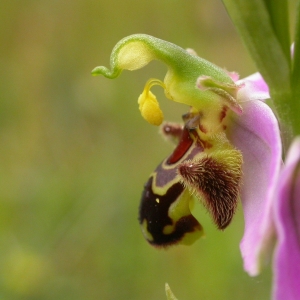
{"x":228,"y":147}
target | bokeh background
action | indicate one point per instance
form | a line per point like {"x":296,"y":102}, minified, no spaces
{"x":75,"y":153}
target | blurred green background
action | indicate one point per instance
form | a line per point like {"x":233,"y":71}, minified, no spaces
{"x":75,"y":154}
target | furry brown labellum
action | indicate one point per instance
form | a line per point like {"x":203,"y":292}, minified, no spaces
{"x":204,"y":166}
{"x":215,"y":179}
{"x":164,"y":213}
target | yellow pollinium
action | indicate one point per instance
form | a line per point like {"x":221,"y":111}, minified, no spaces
{"x":148,"y":104}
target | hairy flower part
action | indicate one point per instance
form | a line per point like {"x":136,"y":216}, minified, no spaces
{"x":164,"y":213}
{"x":228,"y":149}
{"x":216,"y":179}
{"x":203,"y":167}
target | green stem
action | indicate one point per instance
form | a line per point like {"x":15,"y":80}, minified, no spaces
{"x":279,"y":16}
{"x":264,"y":29}
{"x":295,"y":100}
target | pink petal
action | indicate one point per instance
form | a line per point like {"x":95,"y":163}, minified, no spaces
{"x":287,"y":220}
{"x":253,"y":87}
{"x":234,"y":76}
{"x":256,"y":134}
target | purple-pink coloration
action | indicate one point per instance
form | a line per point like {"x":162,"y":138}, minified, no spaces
{"x":256,"y":134}
{"x":253,"y":88}
{"x":270,"y":191}
{"x":286,"y":208}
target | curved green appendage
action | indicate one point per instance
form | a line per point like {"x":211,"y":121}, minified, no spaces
{"x":136,"y":51}
{"x":185,"y":69}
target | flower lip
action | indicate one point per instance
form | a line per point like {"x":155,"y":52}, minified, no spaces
{"x":216,"y":178}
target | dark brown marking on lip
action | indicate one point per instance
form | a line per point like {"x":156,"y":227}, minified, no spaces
{"x":154,"y":209}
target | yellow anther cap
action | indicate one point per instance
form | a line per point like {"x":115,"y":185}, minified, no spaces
{"x":149,"y":108}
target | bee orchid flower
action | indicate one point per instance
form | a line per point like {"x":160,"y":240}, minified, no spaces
{"x":227,"y":150}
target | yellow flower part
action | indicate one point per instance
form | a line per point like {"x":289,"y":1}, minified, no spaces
{"x":148,"y":104}
{"x":191,"y":80}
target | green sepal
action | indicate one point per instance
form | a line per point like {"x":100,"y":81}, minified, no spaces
{"x":184,"y":68}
